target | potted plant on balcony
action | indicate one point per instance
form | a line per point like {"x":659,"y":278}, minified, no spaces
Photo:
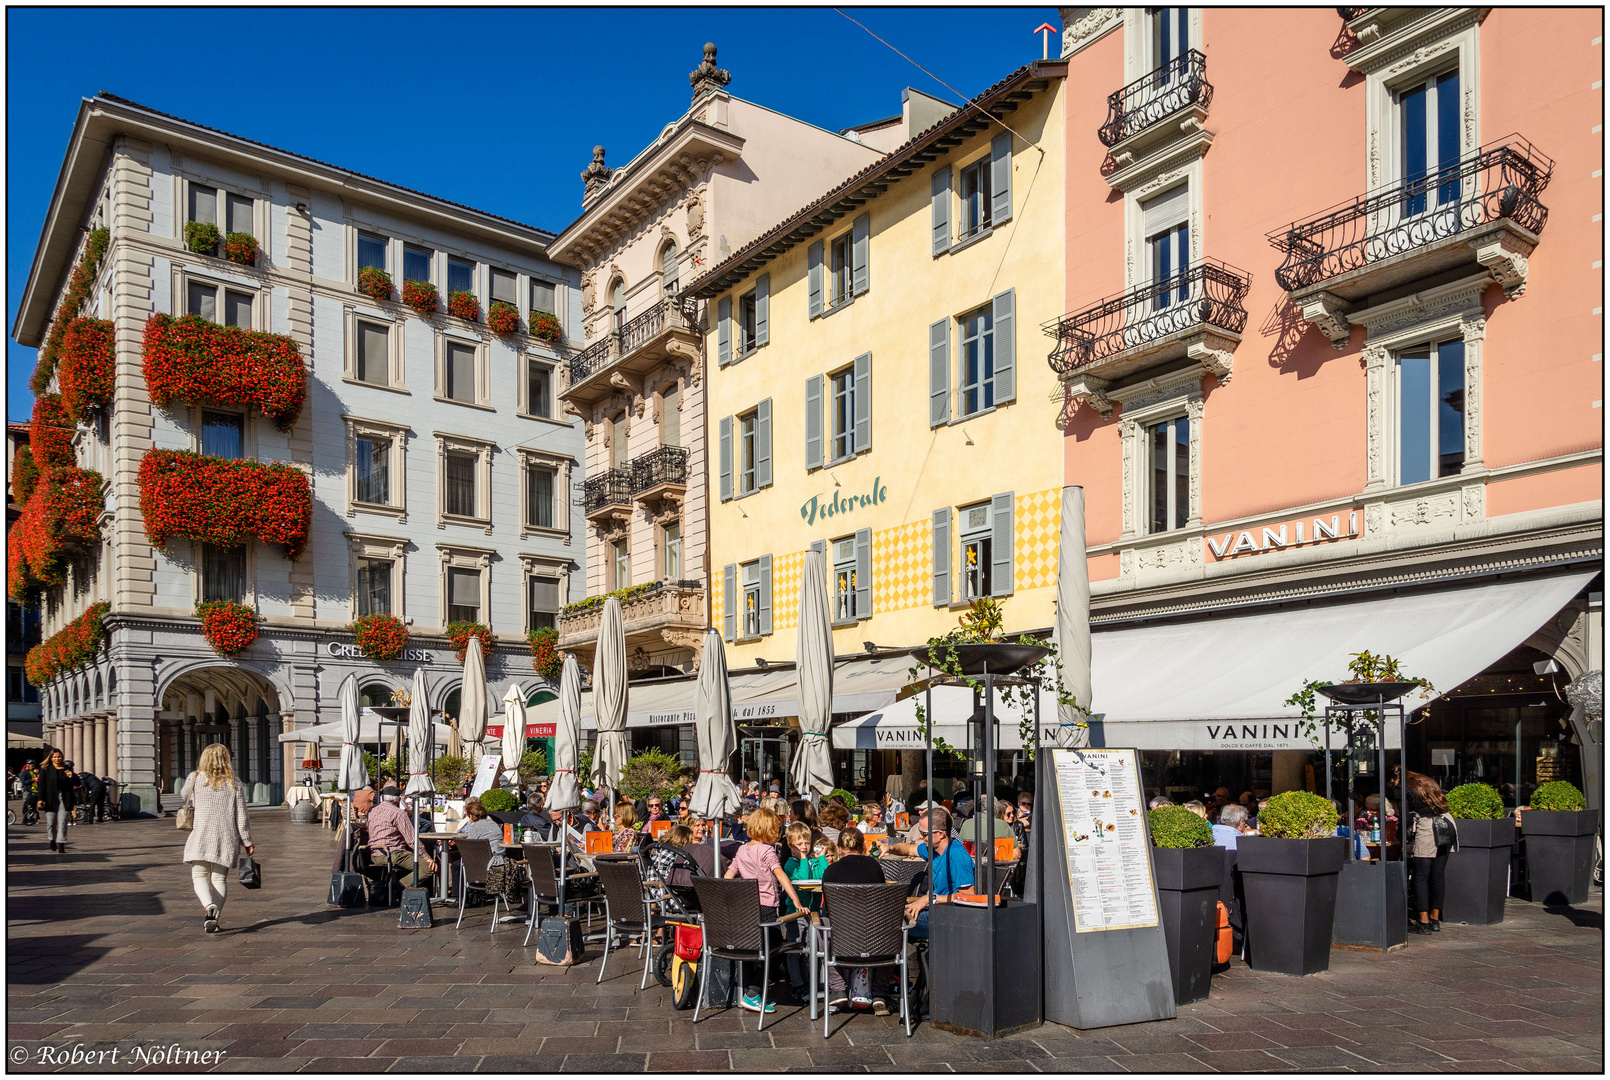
{"x":241,"y":247}
{"x":1188,"y":867}
{"x":545,"y":658}
{"x":228,"y":627}
{"x":374,"y":283}
{"x":1289,"y":872}
{"x":460,"y":633}
{"x":545,"y":327}
{"x":503,"y":319}
{"x":202,"y":237}
{"x":1558,"y":840}
{"x":380,"y":637}
{"x":1478,"y":873}
{"x":421,"y":296}
{"x":463,"y":305}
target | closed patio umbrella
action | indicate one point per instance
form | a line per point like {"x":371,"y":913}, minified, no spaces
{"x":350,"y":775}
{"x":419,"y":751}
{"x":1073,"y":618}
{"x":812,"y":767}
{"x":564,"y":793}
{"x":714,"y":793}
{"x":472,"y":703}
{"x":609,"y":699}
{"x":513,"y":730}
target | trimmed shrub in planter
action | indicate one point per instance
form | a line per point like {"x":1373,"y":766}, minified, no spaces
{"x":1188,"y":868}
{"x":1290,"y":878}
{"x":87,"y":367}
{"x":545,"y":326}
{"x":1478,"y":873}
{"x":464,"y":305}
{"x":545,"y":658}
{"x":202,"y":237}
{"x":228,"y":627}
{"x":222,"y":501}
{"x":421,"y":296}
{"x":503,"y":319}
{"x":241,"y":247}
{"x":449,"y":773}
{"x":498,"y":801}
{"x":459,"y":633}
{"x":1558,"y":835}
{"x":198,"y":362}
{"x":375,"y":283}
{"x":651,"y":772}
{"x":380,"y":637}
{"x":70,"y":647}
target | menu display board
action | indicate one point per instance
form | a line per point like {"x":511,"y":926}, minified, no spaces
{"x":486,"y":774}
{"x":1109,"y":851}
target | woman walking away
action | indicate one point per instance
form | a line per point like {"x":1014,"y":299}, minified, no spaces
{"x":56,"y":799}
{"x":1428,"y":851}
{"x":219,"y":829}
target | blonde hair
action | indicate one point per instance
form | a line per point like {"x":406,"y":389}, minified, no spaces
{"x":678,"y":836}
{"x":625,"y":815}
{"x":765,"y":826}
{"x":214,"y":766}
{"x":776,"y":805}
{"x":799,"y":833}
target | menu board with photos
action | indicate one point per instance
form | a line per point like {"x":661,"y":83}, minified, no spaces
{"x":1109,"y":852}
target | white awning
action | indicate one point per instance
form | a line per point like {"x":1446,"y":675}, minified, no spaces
{"x":371,"y":730}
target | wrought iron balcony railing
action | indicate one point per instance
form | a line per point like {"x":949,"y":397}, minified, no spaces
{"x":1500,"y":181}
{"x":667,"y":465}
{"x":1348,"y":14}
{"x":1209,"y":294}
{"x":593,"y":359}
{"x":671,"y":312}
{"x":1178,"y":84}
{"x":610,"y":488}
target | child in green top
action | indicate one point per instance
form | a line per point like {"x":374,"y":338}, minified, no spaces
{"x":802,"y":865}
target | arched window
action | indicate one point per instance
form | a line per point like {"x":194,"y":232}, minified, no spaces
{"x":617,"y":305}
{"x":375,"y":693}
{"x":668,"y":269}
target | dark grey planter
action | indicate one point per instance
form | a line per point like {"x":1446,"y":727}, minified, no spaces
{"x":1290,"y":888}
{"x":1478,"y":873}
{"x":1188,"y":897}
{"x":984,"y":985}
{"x":1559,"y":853}
{"x":1372,"y":905}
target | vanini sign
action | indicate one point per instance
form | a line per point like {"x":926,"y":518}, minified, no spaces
{"x":1287,"y":534}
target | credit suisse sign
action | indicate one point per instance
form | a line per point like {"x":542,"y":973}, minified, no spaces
{"x":351,"y":652}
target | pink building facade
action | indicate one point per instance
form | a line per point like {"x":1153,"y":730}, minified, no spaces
{"x":1332,"y":356}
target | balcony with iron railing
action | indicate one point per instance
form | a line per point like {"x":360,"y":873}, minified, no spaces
{"x":642,"y":343}
{"x":1480,"y":214}
{"x":607,"y":495}
{"x":1195,"y":317}
{"x":660,"y":474}
{"x":1177,"y":91}
{"x":664,"y":623}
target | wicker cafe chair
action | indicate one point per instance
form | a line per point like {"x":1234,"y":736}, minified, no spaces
{"x":475,"y":856}
{"x":733,"y":931}
{"x":627,"y":910}
{"x":904,"y":871}
{"x":543,"y":882}
{"x":866,"y":928}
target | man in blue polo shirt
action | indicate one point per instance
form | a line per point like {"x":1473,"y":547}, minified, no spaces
{"x":950,"y":864}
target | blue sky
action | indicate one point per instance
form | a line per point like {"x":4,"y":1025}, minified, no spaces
{"x":503,"y":118}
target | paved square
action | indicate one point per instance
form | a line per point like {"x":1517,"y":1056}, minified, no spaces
{"x":105,"y":952}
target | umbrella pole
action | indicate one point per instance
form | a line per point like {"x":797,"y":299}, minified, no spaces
{"x":564,"y":842}
{"x":715,"y":847}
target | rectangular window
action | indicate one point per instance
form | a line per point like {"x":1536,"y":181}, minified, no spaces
{"x":237,"y":309}
{"x":1429,"y":117}
{"x":459,"y":472}
{"x":203,"y":204}
{"x":844,"y":414}
{"x":1170,"y":262}
{"x":239,"y":211}
{"x":617,"y":440}
{"x":1169,"y":445}
{"x":673,"y":551}
{"x":374,"y":587}
{"x":1170,"y":39}
{"x":506,"y":286}
{"x":539,"y":389}
{"x":202,"y":299}
{"x":977,"y":549}
{"x":751,"y":599}
{"x":1431,"y":411}
{"x":544,"y":296}
{"x":622,"y":552}
{"x":978,"y":361}
{"x":746,"y":322}
{"x":975,"y":196}
{"x":670,"y":417}
{"x":372,"y":470}
{"x":374,"y":354}
{"x":539,"y":488}
{"x":416,"y":263}
{"x":222,"y":434}
{"x":747,"y":426}
{"x":844,"y":580}
{"x":460,"y":276}
{"x":463,"y":595}
{"x":542,"y":600}
{"x":460,"y":371}
{"x":371,"y":251}
{"x":842,"y":283}
{"x":223,"y":573}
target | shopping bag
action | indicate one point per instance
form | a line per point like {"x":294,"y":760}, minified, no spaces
{"x":251,"y":874}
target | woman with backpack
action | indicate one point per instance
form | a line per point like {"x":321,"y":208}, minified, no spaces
{"x":1432,"y":838}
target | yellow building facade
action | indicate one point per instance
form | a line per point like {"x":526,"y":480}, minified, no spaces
{"x":879,"y":388}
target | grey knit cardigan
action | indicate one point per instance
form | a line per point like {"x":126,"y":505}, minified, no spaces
{"x":221,"y":833}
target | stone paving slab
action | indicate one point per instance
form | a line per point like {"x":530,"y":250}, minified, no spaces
{"x":106,"y":952}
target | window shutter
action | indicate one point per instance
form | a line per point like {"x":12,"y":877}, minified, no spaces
{"x":729,"y":601}
{"x":726,"y":458}
{"x":863,"y":572}
{"x":941,"y":209}
{"x":762,"y":308}
{"x":765,"y":594}
{"x":724,"y":332}
{"x":1001,"y":561}
{"x":942,"y":557}
{"x":1006,"y":347}
{"x":861,"y":231}
{"x":820,"y":545}
{"x":813,"y":422}
{"x":1172,"y":207}
{"x":815,"y":260}
{"x":1000,"y":178}
{"x":763,"y":444}
{"x":863,"y":402}
{"x":939,"y":373}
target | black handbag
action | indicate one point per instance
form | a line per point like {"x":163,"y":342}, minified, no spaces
{"x":251,"y":874}
{"x":1444,"y":832}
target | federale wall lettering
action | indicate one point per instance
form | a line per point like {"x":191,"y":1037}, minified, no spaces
{"x":840,"y":503}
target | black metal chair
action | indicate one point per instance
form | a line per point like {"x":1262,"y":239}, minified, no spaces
{"x":866,"y":927}
{"x":542,"y":883}
{"x":733,"y":930}
{"x":475,"y":858}
{"x":627,"y":909}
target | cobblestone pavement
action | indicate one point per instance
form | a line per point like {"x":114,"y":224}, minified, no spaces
{"x":105,"y":951}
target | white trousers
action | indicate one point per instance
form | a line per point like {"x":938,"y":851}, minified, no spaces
{"x":208,"y":879}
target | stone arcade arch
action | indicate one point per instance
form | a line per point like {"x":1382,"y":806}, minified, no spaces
{"x":207,"y":703}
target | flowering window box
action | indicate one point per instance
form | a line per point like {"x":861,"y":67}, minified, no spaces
{"x":375,"y":283}
{"x":50,"y":433}
{"x":202,"y":237}
{"x":545,"y":327}
{"x":460,"y":633}
{"x":241,"y":247}
{"x":421,"y":296}
{"x":78,"y":289}
{"x":72,"y":646}
{"x":545,"y":658}
{"x":380,"y":637}
{"x":464,"y":305}
{"x":503,"y":319}
{"x":192,"y":360}
{"x":228,"y":627}
{"x":223,"y":501}
{"x":86,"y":369}
{"x":61,"y":520}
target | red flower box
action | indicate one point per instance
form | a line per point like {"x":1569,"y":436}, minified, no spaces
{"x":380,"y":637}
{"x":70,"y":647}
{"x":228,"y":627}
{"x":375,"y":283}
{"x":463,"y":305}
{"x":241,"y":247}
{"x":61,"y":519}
{"x":503,"y":319}
{"x":223,"y":502}
{"x":24,"y":475}
{"x":545,"y":326}
{"x":77,"y":292}
{"x":50,"y":433}
{"x":545,"y":658}
{"x":202,"y":237}
{"x":421,"y":296}
{"x":459,"y":633}
{"x":87,"y":367}
{"x":193,"y":360}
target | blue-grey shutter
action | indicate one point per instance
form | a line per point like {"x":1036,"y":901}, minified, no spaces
{"x":815,"y":260}
{"x":1000,"y":178}
{"x":860,"y":231}
{"x":724,"y":331}
{"x":726,"y":458}
{"x":762,"y":310}
{"x":942,"y":557}
{"x":763,"y":444}
{"x":1001,"y":562}
{"x":863,"y":402}
{"x":765,"y":594}
{"x":729,"y":601}
{"x":941,"y":209}
{"x":863,"y":573}
{"x":813,"y":422}
{"x":1005,"y":331}
{"x":821,"y":545}
{"x":939,"y":373}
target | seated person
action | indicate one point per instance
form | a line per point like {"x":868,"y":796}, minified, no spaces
{"x":626,"y":830}
{"x":871,"y":818}
{"x":480,"y":826}
{"x":703,"y":849}
{"x":1232,"y":824}
{"x":392,"y":832}
{"x":1000,"y":824}
{"x":535,"y":817}
{"x":831,"y":818}
{"x":877,"y":985}
{"x":950,"y":865}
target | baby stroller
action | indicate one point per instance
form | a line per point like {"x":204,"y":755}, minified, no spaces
{"x":676,"y":962}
